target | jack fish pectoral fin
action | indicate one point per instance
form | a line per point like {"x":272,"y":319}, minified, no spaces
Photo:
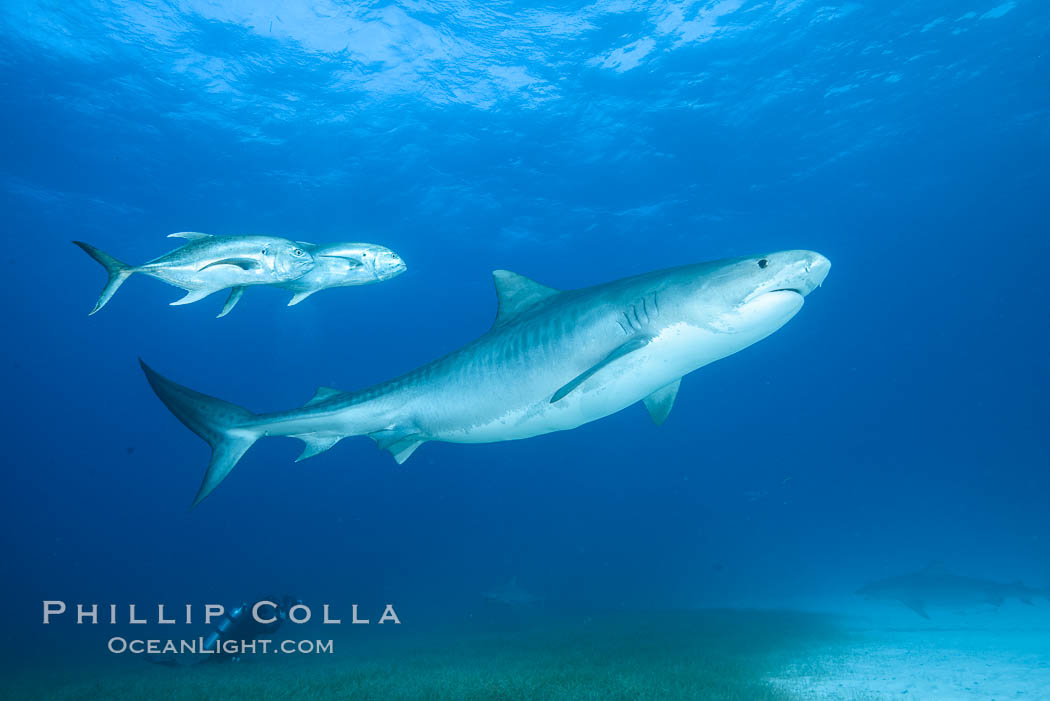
{"x":231,"y":301}
{"x":400,"y":442}
{"x":351,"y":261}
{"x":192,"y":296}
{"x":189,"y":235}
{"x":242,"y":263}
{"x":629,"y":347}
{"x":659,"y":403}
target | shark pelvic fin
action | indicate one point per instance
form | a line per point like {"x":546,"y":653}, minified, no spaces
{"x":231,"y":301}
{"x":299,"y":297}
{"x":516,"y":293}
{"x":322,"y":394}
{"x":242,"y":263}
{"x":192,"y":296}
{"x":627,"y":348}
{"x":399,"y":442}
{"x":916,"y":605}
{"x":316,"y":443}
{"x":189,"y":235}
{"x":659,"y":403}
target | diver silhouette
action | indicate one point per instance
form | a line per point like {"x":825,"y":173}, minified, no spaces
{"x":239,"y":625}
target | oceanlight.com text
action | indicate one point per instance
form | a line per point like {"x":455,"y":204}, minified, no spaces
{"x":136,"y":646}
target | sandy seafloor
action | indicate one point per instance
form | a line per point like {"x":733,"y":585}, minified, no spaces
{"x":878,"y":652}
{"x":891,"y":653}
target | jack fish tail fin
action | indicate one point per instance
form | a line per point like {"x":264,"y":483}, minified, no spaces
{"x":118,"y":272}
{"x":219,"y":423}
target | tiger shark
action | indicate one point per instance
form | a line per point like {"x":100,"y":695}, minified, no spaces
{"x":553,"y":360}
{"x":935,"y":585}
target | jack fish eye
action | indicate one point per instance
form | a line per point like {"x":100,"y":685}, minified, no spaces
{"x":298,"y":253}
{"x":763,"y":263}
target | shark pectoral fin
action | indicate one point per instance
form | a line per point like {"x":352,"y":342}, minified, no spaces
{"x":192,"y":296}
{"x":401,"y":443}
{"x":299,"y":297}
{"x":242,"y":263}
{"x":189,"y":235}
{"x":516,"y":293}
{"x":231,"y":301}
{"x":316,"y":443}
{"x":322,"y":394}
{"x":917,"y":606}
{"x":659,"y":403}
{"x":629,"y":347}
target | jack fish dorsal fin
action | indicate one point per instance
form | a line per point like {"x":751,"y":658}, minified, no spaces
{"x":516,"y":293}
{"x":189,"y":235}
{"x":659,"y":403}
{"x":322,"y":394}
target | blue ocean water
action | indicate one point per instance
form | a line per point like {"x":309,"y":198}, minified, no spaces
{"x":899,"y":419}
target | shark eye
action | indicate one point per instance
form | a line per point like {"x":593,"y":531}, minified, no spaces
{"x":763,"y":263}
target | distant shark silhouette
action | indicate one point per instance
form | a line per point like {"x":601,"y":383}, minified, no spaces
{"x":936,"y":586}
{"x":512,"y":594}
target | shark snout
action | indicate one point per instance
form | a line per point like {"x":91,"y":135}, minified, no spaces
{"x":817,"y":268}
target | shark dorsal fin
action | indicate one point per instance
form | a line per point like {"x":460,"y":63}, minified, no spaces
{"x":516,"y":293}
{"x":322,"y":394}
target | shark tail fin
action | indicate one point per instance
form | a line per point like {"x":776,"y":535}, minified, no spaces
{"x":219,"y":423}
{"x":118,"y":272}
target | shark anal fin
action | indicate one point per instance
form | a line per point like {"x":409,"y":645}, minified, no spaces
{"x":660,"y":402}
{"x":242,"y":263}
{"x":516,"y":293}
{"x":629,"y":347}
{"x":231,"y":301}
{"x":401,"y":443}
{"x":192,"y":296}
{"x":299,"y":297}
{"x":189,"y":235}
{"x":322,"y":394}
{"x":316,"y":443}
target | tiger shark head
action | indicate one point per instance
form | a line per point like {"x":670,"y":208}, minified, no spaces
{"x":754,"y":296}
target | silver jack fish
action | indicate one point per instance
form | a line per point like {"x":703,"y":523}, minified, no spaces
{"x":553,"y":360}
{"x":208,"y":264}
{"x":336,"y":265}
